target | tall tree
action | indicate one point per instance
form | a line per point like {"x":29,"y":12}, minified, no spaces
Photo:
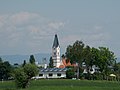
{"x":87,"y":54}
{"x":105,"y":61}
{"x":51,"y":62}
{"x":32,"y":59}
{"x":24,"y":63}
{"x":106,"y":58}
{"x":75,"y":54}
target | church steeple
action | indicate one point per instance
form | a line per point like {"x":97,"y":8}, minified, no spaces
{"x":56,"y":43}
{"x":56,"y":52}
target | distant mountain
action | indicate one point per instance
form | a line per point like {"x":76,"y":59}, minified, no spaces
{"x":20,"y":58}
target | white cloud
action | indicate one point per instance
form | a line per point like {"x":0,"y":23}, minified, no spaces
{"x":22,"y":17}
{"x":56,"y":25}
{"x":26,"y":30}
{"x":94,"y":36}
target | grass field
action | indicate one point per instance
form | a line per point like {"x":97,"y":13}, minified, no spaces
{"x":59,"y":84}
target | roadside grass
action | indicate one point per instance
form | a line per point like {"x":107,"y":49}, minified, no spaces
{"x":59,"y":84}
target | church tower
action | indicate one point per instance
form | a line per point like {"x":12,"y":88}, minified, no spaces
{"x":56,"y":52}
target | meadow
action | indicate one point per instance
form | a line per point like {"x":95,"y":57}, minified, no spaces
{"x":59,"y":84}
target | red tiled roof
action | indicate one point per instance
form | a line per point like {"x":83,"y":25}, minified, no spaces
{"x":66,"y":63}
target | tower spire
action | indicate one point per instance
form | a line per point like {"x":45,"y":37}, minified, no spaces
{"x":56,"y":52}
{"x":55,"y":43}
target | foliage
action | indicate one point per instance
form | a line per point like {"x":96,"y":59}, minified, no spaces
{"x":88,"y":58}
{"x":101,"y":57}
{"x":75,"y":52}
{"x":70,"y":73}
{"x":5,"y":70}
{"x":24,"y":63}
{"x":21,"y":78}
{"x":31,"y":70}
{"x":32,"y":59}
{"x":22,"y":75}
{"x":106,"y":58}
{"x":51,"y":63}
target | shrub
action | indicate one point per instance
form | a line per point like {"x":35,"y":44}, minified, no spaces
{"x":21,"y":78}
{"x":70,"y":73}
{"x":24,"y":74}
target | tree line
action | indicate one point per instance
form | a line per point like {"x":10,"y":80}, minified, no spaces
{"x":100,"y":57}
{"x":21,"y":74}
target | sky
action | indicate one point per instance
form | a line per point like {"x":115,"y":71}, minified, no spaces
{"x":29,"y":26}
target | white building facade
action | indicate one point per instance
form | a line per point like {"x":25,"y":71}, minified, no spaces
{"x":56,"y":52}
{"x":53,"y":73}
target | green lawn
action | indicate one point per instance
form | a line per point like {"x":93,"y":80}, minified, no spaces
{"x":59,"y":84}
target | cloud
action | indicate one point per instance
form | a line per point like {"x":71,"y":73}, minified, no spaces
{"x":94,"y":36}
{"x":26,"y":30}
{"x":23,"y":17}
{"x":56,"y":25}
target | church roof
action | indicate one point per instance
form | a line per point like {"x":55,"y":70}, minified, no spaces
{"x":55,"y":43}
{"x":66,"y":63}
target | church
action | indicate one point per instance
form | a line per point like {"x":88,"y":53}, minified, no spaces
{"x":59,"y":65}
{"x":57,"y":61}
{"x":54,"y":72}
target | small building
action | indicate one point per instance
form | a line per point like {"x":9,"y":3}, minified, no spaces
{"x":52,"y":73}
{"x":91,"y":70}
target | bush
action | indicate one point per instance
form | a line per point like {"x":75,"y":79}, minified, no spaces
{"x":70,"y":73}
{"x":31,"y":70}
{"x":24,"y":74}
{"x":21,"y":78}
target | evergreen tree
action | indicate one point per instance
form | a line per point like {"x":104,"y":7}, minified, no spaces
{"x":24,"y":63}
{"x":51,"y":62}
{"x":32,"y":59}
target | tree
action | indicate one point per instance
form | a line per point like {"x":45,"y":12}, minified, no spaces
{"x":24,"y":63}
{"x":75,"y":54}
{"x":5,"y":70}
{"x":21,"y":78}
{"x":31,"y":70}
{"x":88,"y":59}
{"x":105,"y":61}
{"x":117,"y":70}
{"x":70,"y":73}
{"x":51,"y":63}
{"x":32,"y":59}
{"x":24,"y":74}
